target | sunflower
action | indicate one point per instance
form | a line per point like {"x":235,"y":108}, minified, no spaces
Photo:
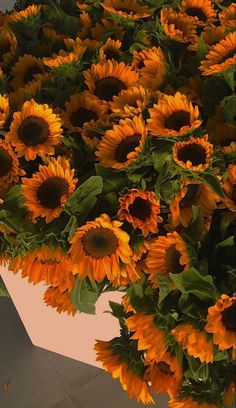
{"x":91,"y":133}
{"x":110,"y":50}
{"x":4,"y":110}
{"x":140,"y":254}
{"x":121,"y":145}
{"x":221,"y":322}
{"x":152,"y":67}
{"x":195,"y":341}
{"x":8,"y":47}
{"x":167,"y":254}
{"x":64,"y":58}
{"x":141,"y":209}
{"x":187,"y":402}
{"x":178,"y":26}
{"x":201,"y":11}
{"x":82,"y":108}
{"x":173,"y":116}
{"x":131,"y":102}
{"x":105,"y":26}
{"x":210,"y":35}
{"x":229,"y":188}
{"x":130,"y":381}
{"x":48,"y":190}
{"x":108,"y":79}
{"x":195,"y":154}
{"x":100,"y":249}
{"x":27,"y":13}
{"x":26,"y":69}
{"x":148,"y":335}
{"x":73,"y":44}
{"x":35,"y":130}
{"x":192,"y":192}
{"x":126,"y":304}
{"x":228,"y":17}
{"x":221,"y":56}
{"x":230,"y":395}
{"x":60,"y":300}
{"x":9,"y":166}
{"x":221,"y":131}
{"x":126,"y":8}
{"x":165,"y":375}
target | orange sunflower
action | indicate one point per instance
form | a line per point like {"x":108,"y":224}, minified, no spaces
{"x":188,"y":402}
{"x":192,"y":192}
{"x":105,"y":26}
{"x":195,"y":341}
{"x":211,"y":35}
{"x":64,"y":58}
{"x":131,"y":102}
{"x":60,"y":300}
{"x":35,"y":130}
{"x":8,"y":46}
{"x":82,"y":108}
{"x":195,"y":154}
{"x":91,"y":132}
{"x":178,"y":26}
{"x":230,"y":394}
{"x":4,"y":110}
{"x":173,"y":116}
{"x":152,"y":67}
{"x":222,"y":132}
{"x":165,"y":375}
{"x":221,"y":322}
{"x":110,"y":50}
{"x":100,"y":249}
{"x":126,"y":8}
{"x":120,"y":146}
{"x":228,"y":17}
{"x":28,"y":12}
{"x":148,"y":335}
{"x":134,"y":384}
{"x":74,"y":44}
{"x":141,"y":209}
{"x":9,"y":166}
{"x":26,"y":69}
{"x":48,"y":190}
{"x":229,"y":188}
{"x":167,"y":254}
{"x":108,"y":79}
{"x":201,"y":11}
{"x":221,"y":56}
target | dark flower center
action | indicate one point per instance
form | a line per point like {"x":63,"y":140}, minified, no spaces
{"x":193,"y":191}
{"x":165,"y":368}
{"x":229,"y":54}
{"x":177,"y":120}
{"x":99,"y":242}
{"x":51,"y":191}
{"x":233,"y":195}
{"x":33,"y":130}
{"x":126,"y":146}
{"x":229,"y":317}
{"x":111,"y":53}
{"x":124,"y":10}
{"x":172,"y":260}
{"x":108,"y":87}
{"x":196,"y":12}
{"x":31,"y":71}
{"x":192,"y":152}
{"x":5,"y":162}
{"x":82,"y":115}
{"x":140,"y":209}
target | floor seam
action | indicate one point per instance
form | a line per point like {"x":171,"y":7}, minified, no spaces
{"x":65,"y":388}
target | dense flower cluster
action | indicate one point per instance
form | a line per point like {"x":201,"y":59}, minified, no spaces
{"x":118,"y":171}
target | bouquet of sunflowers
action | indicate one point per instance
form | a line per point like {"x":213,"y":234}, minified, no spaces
{"x":118,"y":172}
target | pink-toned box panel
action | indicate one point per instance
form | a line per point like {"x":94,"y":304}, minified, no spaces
{"x":70,"y":336}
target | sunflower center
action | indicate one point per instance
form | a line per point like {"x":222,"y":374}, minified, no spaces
{"x":5,"y":162}
{"x":108,"y":87}
{"x":229,"y":317}
{"x":111,"y":53}
{"x":51,"y":191}
{"x":233,"y":195}
{"x":124,"y":10}
{"x":196,"y":12}
{"x":127,"y":146}
{"x":165,"y":368}
{"x":177,"y":120}
{"x":194,"y":153}
{"x":82,"y":115}
{"x":172,"y":260}
{"x":193,"y":191}
{"x":99,"y":242}
{"x":31,"y":71}
{"x":140,"y":209}
{"x":33,"y":130}
{"x":229,"y":54}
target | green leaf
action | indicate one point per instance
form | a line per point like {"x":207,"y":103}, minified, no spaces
{"x":228,"y":106}
{"x":113,"y":180}
{"x":214,"y":90}
{"x":117,"y":309}
{"x":71,"y":227}
{"x":227,"y":242}
{"x":165,"y":287}
{"x":84,"y":297}
{"x":191,"y":281}
{"x":229,"y":76}
{"x":201,"y":48}
{"x":212,"y":181}
{"x":3,"y":291}
{"x":194,"y":230}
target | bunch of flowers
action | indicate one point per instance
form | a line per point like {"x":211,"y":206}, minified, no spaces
{"x":118,"y":172}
